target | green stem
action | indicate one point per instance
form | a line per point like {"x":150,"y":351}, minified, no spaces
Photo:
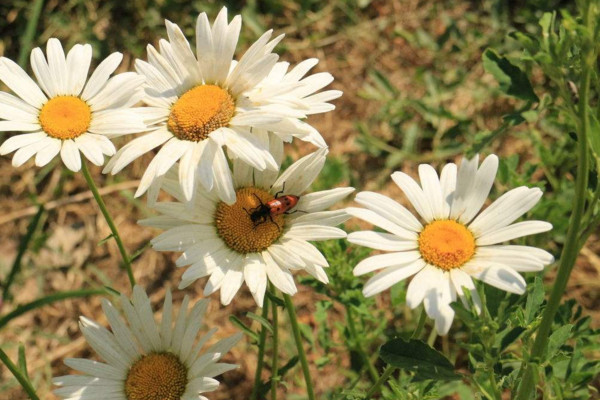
{"x":358,"y":345}
{"x":109,"y":221}
{"x":274,"y":367}
{"x":420,"y":325}
{"x":16,"y":267}
{"x":377,"y":386}
{"x":19,"y":375}
{"x":261,"y":351}
{"x":289,"y":306}
{"x":20,"y":310}
{"x":571,"y":247}
{"x":27,"y":38}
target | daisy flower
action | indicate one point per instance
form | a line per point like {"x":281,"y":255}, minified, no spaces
{"x":203,"y":102}
{"x":146,"y":360}
{"x":65,"y":112}
{"x":244,"y":241}
{"x":454,"y":242}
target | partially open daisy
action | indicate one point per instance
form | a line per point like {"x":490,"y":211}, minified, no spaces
{"x":244,"y":241}
{"x":145,"y":360}
{"x":201,"y":102}
{"x":455,"y":241}
{"x":67,"y":113}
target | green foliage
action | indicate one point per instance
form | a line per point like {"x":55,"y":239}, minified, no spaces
{"x":419,"y":358}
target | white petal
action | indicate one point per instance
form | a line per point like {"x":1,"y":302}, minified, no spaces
{"x":15,"y":142}
{"x":461,"y":280}
{"x":391,"y":276}
{"x":70,"y":155}
{"x":314,"y":232}
{"x":78,"y":65}
{"x":382,"y":222}
{"x":90,"y":150}
{"x":318,"y":201}
{"x":513,"y":231}
{"x":51,"y":149}
{"x":279,"y":275}
{"x":505,"y":210}
{"x":432,"y":190}
{"x":498,"y":275}
{"x":415,"y":195}
{"x":231,"y":284}
{"x":58,"y":65}
{"x":223,"y":180}
{"x":100,"y":75}
{"x":300,"y":175}
{"x":379,"y":261}
{"x":19,"y":82}
{"x":420,"y":284}
{"x":390,"y":210}
{"x":484,"y":180}
{"x":437,"y":301}
{"x":381,"y":241}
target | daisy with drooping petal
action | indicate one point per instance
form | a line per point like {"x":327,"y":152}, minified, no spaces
{"x":200,"y":103}
{"x":65,"y":112}
{"x":236,"y":243}
{"x":455,"y":242}
{"x":145,"y":360}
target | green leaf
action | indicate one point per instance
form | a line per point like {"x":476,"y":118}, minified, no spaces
{"x":557,"y":339}
{"x":23,"y":361}
{"x":594,"y":140}
{"x":417,"y":357}
{"x":261,"y":321}
{"x":513,"y":81}
{"x":534,"y":300}
{"x":237,"y":322}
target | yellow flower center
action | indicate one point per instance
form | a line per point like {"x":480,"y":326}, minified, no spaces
{"x":446,"y":244}
{"x":247,"y":226}
{"x":65,"y":117}
{"x":156,"y":376}
{"x":199,"y":111}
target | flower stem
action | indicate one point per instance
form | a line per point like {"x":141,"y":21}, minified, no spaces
{"x":358,"y":345}
{"x":274,"y":370}
{"x":571,"y":247}
{"x":261,"y":351}
{"x":377,"y":386}
{"x":20,"y":375}
{"x":109,"y":221}
{"x":289,"y":306}
{"x":420,"y":325}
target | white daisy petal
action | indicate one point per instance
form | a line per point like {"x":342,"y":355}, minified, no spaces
{"x":58,"y":66}
{"x":497,"y":275}
{"x":380,"y":261}
{"x":432,"y":190}
{"x":390,"y":276}
{"x":100,"y":75}
{"x":382,"y":222}
{"x":381,"y":241}
{"x":437,"y":302}
{"x":78,"y":65}
{"x":415,"y":194}
{"x":389,"y":209}
{"x":13,"y":143}
{"x":505,"y":210}
{"x":461,"y":281}
{"x":420,"y":285}
{"x":513,"y":231}
{"x":69,"y":153}
{"x":484,"y":180}
{"x":279,"y":275}
{"x":322,"y":200}
{"x":19,"y":82}
{"x":51,"y":149}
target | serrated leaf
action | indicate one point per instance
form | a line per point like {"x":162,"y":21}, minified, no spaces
{"x":417,"y":357}
{"x":534,"y":300}
{"x":557,"y":339}
{"x":594,"y":140}
{"x":512,"y":80}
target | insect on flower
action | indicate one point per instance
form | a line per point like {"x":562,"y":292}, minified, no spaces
{"x":279,"y":205}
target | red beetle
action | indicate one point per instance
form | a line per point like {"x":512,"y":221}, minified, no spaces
{"x":279,"y":205}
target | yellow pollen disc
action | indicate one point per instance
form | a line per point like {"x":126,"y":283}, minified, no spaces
{"x":200,"y":111}
{"x":65,"y":117}
{"x":235,"y":225}
{"x":446,"y":244}
{"x":156,"y":376}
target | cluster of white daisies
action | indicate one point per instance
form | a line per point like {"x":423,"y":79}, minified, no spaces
{"x":224,"y":220}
